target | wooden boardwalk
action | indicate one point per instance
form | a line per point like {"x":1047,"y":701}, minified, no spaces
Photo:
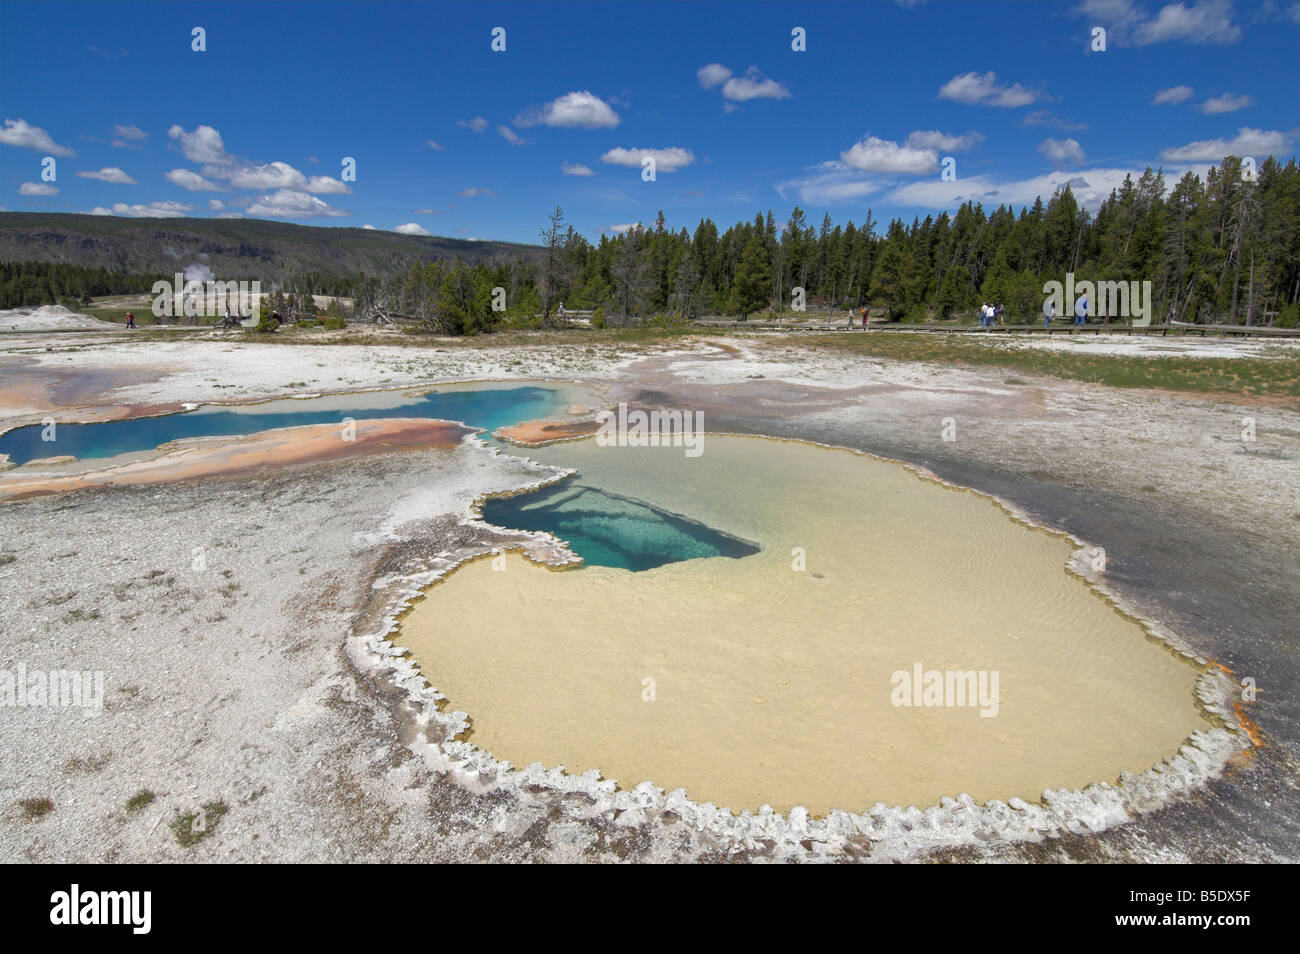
{"x":1057,"y":328}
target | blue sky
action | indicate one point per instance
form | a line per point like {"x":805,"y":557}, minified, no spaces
{"x":258,"y":124}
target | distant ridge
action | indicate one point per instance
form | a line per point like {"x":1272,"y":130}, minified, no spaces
{"x":232,"y":248}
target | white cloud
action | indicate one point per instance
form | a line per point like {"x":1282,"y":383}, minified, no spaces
{"x":512,"y":137}
{"x":1201,"y":21}
{"x":666,"y":160}
{"x":1172,"y":96}
{"x":428,"y":212}
{"x":740,"y":89}
{"x":625,"y":227}
{"x":985,"y":90}
{"x":580,"y":109}
{"x":370,"y":227}
{"x":153,"y":210}
{"x":831,"y":183}
{"x":1227,"y":103}
{"x":712,"y":75}
{"x":410,"y":228}
{"x":202,"y":145}
{"x":134,"y":133}
{"x":1247,"y":142}
{"x":1119,"y":17}
{"x":215,"y":205}
{"x":191,"y":180}
{"x":1209,"y":21}
{"x":474,"y":193}
{"x":752,"y":85}
{"x":576,"y":169}
{"x":871,"y":154}
{"x":272,"y":175}
{"x":1062,"y":152}
{"x":108,"y":174}
{"x":433,"y":145}
{"x":17,"y":132}
{"x":327,"y":185}
{"x":290,"y":204}
{"x":37,"y":188}
{"x":478,"y":123}
{"x":934,"y":139}
{"x":1090,"y":188}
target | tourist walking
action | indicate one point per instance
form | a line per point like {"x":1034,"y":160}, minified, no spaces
{"x":1049,"y":312}
{"x":130,"y":319}
{"x":1081,"y":309}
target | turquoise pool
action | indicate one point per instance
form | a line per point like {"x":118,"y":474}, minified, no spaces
{"x":488,"y":408}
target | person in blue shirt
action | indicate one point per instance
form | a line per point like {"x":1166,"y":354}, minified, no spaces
{"x":1081,"y":310}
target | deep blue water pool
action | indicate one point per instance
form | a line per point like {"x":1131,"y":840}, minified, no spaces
{"x":608,"y":530}
{"x":488,"y":408}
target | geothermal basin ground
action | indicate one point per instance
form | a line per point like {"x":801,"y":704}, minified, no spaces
{"x":319,"y":641}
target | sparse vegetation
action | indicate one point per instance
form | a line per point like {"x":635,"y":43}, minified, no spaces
{"x":91,"y":763}
{"x":36,"y":807}
{"x":189,"y":828}
{"x":1259,"y":377}
{"x":139,"y":800}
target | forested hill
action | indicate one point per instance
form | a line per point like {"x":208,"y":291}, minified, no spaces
{"x":232,"y":248}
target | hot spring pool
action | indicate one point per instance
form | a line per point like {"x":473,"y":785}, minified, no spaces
{"x":775,"y":674}
{"x":486,"y":406}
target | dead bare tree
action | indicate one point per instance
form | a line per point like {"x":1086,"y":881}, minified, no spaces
{"x":557,"y":270}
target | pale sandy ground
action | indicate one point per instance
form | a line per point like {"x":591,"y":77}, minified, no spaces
{"x":50,"y":318}
{"x":1192,"y":346}
{"x":233,"y":682}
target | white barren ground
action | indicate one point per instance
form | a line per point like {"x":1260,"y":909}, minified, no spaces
{"x":233,"y":682}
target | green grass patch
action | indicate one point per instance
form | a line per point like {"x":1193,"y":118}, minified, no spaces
{"x":1256,"y":377}
{"x":139,"y":800}
{"x":190,"y":828}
